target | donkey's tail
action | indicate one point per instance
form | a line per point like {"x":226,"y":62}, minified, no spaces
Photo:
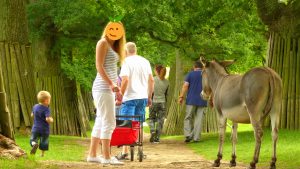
{"x":271,"y":93}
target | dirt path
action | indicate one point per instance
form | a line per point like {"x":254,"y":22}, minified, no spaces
{"x":165,"y":155}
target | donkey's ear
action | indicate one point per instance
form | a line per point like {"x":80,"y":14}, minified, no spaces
{"x":203,"y":61}
{"x":226,"y":63}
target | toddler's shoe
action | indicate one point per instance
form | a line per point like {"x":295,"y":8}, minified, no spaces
{"x":34,"y":148}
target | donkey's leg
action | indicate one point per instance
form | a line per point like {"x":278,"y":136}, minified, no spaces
{"x":275,"y":122}
{"x":222,"y":128}
{"x":258,"y":133}
{"x":234,"y":141}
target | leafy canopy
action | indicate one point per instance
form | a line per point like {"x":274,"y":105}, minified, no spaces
{"x":222,"y":29}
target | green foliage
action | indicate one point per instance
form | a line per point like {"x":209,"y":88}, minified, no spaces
{"x":78,"y":60}
{"x":116,"y":19}
{"x":220,"y":29}
{"x":55,"y":17}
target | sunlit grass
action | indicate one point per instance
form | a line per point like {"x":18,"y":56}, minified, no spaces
{"x":61,"y":148}
{"x":288,"y":147}
{"x":22,"y":163}
{"x":68,"y":148}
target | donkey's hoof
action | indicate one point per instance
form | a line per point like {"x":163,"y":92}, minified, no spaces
{"x":252,"y":165}
{"x":273,"y":163}
{"x":216,"y":164}
{"x":232,"y":164}
{"x":272,"y":166}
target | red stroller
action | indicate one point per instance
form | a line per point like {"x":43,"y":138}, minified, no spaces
{"x":129,"y":133}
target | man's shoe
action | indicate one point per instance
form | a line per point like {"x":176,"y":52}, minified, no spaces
{"x":187,"y":140}
{"x":122,"y":156}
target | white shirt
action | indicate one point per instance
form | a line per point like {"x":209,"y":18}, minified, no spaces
{"x":137,"y":69}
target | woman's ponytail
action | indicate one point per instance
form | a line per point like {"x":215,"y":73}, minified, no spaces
{"x":161,"y":71}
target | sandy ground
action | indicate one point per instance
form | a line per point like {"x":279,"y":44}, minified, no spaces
{"x":165,"y":155}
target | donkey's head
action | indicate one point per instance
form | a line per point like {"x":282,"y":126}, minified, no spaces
{"x":212,"y":71}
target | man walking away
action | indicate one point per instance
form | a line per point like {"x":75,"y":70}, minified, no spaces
{"x":136,"y":87}
{"x":194,"y":103}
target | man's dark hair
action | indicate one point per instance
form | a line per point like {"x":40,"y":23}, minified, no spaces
{"x":198,"y":64}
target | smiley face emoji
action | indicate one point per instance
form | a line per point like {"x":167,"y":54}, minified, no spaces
{"x":114,"y":30}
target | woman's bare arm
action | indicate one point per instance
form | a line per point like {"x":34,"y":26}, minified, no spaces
{"x":101,"y":51}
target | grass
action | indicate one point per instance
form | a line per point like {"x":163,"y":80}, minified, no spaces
{"x":69,"y":148}
{"x":61,"y":148}
{"x":22,"y":163}
{"x":288,"y":147}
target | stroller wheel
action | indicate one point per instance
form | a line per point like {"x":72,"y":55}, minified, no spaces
{"x":131,"y":153}
{"x":140,"y":153}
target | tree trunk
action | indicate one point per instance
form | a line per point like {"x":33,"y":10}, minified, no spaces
{"x":283,"y":21}
{"x":5,"y":119}
{"x":15,"y":74}
{"x":67,"y":106}
{"x":13,"y":21}
{"x":175,"y":111}
{"x":16,"y":65}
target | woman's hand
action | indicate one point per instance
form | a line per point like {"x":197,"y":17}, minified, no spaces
{"x":115,"y":88}
{"x":210,"y":102}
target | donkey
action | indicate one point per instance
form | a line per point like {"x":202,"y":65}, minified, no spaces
{"x":247,"y":98}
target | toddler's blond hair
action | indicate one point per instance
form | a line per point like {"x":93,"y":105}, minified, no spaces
{"x":42,"y":96}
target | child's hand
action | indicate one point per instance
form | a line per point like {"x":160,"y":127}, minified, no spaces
{"x":119,"y":96}
{"x":49,"y":120}
{"x":118,"y":102}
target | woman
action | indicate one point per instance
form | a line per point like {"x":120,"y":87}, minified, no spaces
{"x":158,"y":108}
{"x":109,"y":50}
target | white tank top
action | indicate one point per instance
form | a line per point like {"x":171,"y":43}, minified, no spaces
{"x":110,"y":66}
